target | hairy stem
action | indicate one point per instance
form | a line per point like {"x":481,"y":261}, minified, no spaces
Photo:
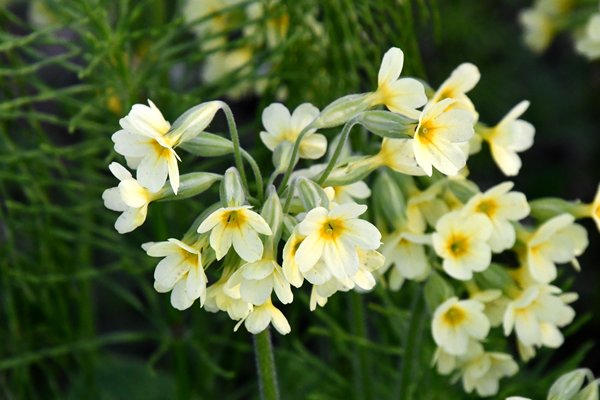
{"x":265,"y":365}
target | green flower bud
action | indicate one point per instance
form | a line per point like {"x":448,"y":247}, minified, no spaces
{"x":342,"y":110}
{"x":388,"y":124}
{"x":232,"y":190}
{"x":352,"y":171}
{"x":192,"y":122}
{"x":550,"y":207}
{"x":282,"y":156}
{"x":590,"y":392}
{"x":389,"y":201}
{"x":568,"y":385}
{"x":273,"y":215}
{"x":311,"y":194}
{"x":208,"y":145}
{"x":189,"y":185}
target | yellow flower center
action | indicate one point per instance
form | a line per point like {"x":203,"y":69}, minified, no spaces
{"x":487,"y":207}
{"x":234,"y":219}
{"x":597,"y":211}
{"x":458,"y":245}
{"x":161,"y":151}
{"x":426,"y":132}
{"x":454,"y":316}
{"x":447,"y":93}
{"x":332,"y":229}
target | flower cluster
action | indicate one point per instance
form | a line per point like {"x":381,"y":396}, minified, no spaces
{"x":332,"y":228}
{"x":548,"y":18}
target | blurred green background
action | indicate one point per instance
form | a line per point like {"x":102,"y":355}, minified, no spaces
{"x":78,"y":315}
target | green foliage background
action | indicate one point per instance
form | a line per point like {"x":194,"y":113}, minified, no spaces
{"x":78,"y":315}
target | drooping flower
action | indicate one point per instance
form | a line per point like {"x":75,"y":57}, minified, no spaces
{"x":217,"y":298}
{"x":509,"y":137}
{"x":501,"y":207}
{"x":180,"y":272}
{"x":438,"y":136}
{"x":238,"y":226}
{"x":255,"y":281}
{"x":261,"y":316}
{"x":402,"y":96}
{"x":129,"y":198}
{"x":333,"y":236}
{"x":398,"y":154}
{"x":281,"y":127}
{"x":405,"y":251}
{"x":455,"y":322}
{"x":461,"y":240}
{"x":461,"y":80}
{"x":483,"y":372}
{"x":558,"y":240}
{"x":148,"y":146}
{"x":536,"y":314}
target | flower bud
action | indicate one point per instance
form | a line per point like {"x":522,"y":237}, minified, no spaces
{"x":590,"y":392}
{"x":342,"y":110}
{"x":389,"y":200}
{"x":232,"y":190}
{"x":550,"y":207}
{"x":189,"y":185}
{"x":493,"y":277}
{"x":192,"y":122}
{"x":388,"y":124}
{"x":311,"y":194}
{"x":568,"y":385}
{"x":353,"y":171}
{"x":282,"y":156}
{"x":208,"y":145}
{"x":273,"y":214}
{"x":437,"y":290}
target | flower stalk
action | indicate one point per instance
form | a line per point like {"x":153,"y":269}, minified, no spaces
{"x":265,"y":366}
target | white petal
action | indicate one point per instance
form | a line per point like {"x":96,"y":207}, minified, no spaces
{"x":391,"y":66}
{"x":303,"y":115}
{"x":247,"y":244}
{"x":112,"y":199}
{"x":276,"y":119}
{"x":152,"y":172}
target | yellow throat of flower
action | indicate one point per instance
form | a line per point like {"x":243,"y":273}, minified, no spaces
{"x":332,"y":229}
{"x":233,"y":219}
{"x":454,"y":316}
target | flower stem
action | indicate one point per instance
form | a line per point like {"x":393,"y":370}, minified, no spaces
{"x":338,"y":150}
{"x":265,"y":364}
{"x":294,"y":157}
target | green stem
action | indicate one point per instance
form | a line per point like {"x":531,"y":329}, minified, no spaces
{"x":293,"y":158}
{"x":235,"y":139}
{"x":257,"y":175}
{"x":265,"y":364}
{"x":290,"y":196}
{"x":338,"y":150}
{"x":362,"y":368}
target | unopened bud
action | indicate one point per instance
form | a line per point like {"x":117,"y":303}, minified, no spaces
{"x":311,"y":194}
{"x":568,"y":385}
{"x":208,"y":145}
{"x":232,"y":190}
{"x":190,"y":185}
{"x":342,"y":110}
{"x":388,"y":124}
{"x":194,"y":121}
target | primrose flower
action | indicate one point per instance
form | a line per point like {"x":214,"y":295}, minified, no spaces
{"x":261,"y":316}
{"x":148,"y":146}
{"x":405,"y":250}
{"x":461,"y":240}
{"x":483,"y":372}
{"x":438,"y":137}
{"x":256,"y":281}
{"x":594,"y":208}
{"x":456,"y":322}
{"x":237,"y":226}
{"x":536,"y":314}
{"x":220,"y":65}
{"x":589,"y":43}
{"x":539,"y":28}
{"x":509,"y":137}
{"x":180,"y":272}
{"x":558,"y":240}
{"x":281,"y":127}
{"x":212,"y":31}
{"x":290,"y":268}
{"x":130,"y":198}
{"x":217,"y":298}
{"x":501,"y":207}
{"x":463,"y":79}
{"x":402,"y":96}
{"x":398,"y":154}
{"x":425,"y":207}
{"x":334,"y":237}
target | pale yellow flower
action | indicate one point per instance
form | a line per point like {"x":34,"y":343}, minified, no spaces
{"x":536,"y":314}
{"x":438,"y":136}
{"x":180,"y":272}
{"x":212,"y":31}
{"x":261,"y":316}
{"x":398,"y":154}
{"x":456,"y":322}
{"x":283,"y":127}
{"x":130,"y":198}
{"x":219,"y":299}
{"x":588,"y":44}
{"x":539,"y":27}
{"x":402,"y":96}
{"x":256,"y":281}
{"x":509,"y":137}
{"x":425,"y":207}
{"x":333,"y":236}
{"x":558,"y":240}
{"x":462,"y":80}
{"x":594,"y":208}
{"x":483,"y":372}
{"x":405,"y":251}
{"x":501,"y":207}
{"x":237,"y":226}
{"x":461,"y":240}
{"x":219,"y":66}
